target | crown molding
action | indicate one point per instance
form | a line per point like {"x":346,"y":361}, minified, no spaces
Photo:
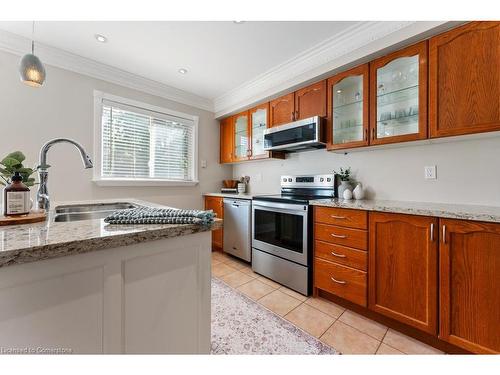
{"x":19,"y":45}
{"x":358,"y":41}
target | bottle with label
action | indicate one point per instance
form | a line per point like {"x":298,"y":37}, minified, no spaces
{"x":16,"y":197}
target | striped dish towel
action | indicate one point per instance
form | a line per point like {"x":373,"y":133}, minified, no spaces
{"x":151,"y":215}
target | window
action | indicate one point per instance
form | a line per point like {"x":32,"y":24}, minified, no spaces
{"x":139,"y":144}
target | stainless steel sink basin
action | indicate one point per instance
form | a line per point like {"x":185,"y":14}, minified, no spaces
{"x":81,"y":216}
{"x":91,"y":211}
{"x":93,"y":207}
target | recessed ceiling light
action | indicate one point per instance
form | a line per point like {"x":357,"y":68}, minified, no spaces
{"x":238,"y":22}
{"x":182,"y":71}
{"x":101,"y":38}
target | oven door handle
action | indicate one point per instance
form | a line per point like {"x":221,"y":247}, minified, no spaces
{"x":295,"y":209}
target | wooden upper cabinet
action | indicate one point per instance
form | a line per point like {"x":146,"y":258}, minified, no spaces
{"x":464,"y":71}
{"x":348,"y":116}
{"x":470,"y":285}
{"x":241,"y":136}
{"x":259,"y":121}
{"x":398,"y":96}
{"x":282,"y":109}
{"x":403,"y":269}
{"x":217,"y":205}
{"x":311,"y":101}
{"x":226,"y":140}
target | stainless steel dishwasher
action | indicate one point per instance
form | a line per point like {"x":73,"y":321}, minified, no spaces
{"x":238,"y":228}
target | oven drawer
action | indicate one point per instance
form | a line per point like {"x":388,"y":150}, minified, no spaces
{"x":342,"y":217}
{"x":340,"y":254}
{"x":355,"y":238}
{"x":345,"y":282}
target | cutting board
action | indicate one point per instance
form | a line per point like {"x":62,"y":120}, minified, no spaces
{"x":32,"y":217}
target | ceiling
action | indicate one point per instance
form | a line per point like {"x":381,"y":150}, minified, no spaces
{"x":219,"y":56}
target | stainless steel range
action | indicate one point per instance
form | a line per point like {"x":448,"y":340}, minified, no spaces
{"x":282,"y":230}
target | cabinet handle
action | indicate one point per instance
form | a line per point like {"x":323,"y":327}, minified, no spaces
{"x":444,"y":233}
{"x":366,"y":134}
{"x":338,"y":235}
{"x":432,"y":232}
{"x":293,"y":115}
{"x":338,"y":281}
{"x":337,"y":217}
{"x":296,"y":115}
{"x":338,"y":255}
{"x":373,"y":133}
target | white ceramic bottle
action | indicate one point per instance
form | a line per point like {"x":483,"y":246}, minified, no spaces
{"x":347,"y":195}
{"x":358,"y":192}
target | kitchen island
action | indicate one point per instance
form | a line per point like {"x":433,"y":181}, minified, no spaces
{"x":90,"y":287}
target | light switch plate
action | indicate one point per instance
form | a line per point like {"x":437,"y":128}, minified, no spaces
{"x":430,"y":172}
{"x":203,"y":163}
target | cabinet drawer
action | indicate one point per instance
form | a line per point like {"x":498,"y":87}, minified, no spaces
{"x":342,"y":281}
{"x":341,"y":236}
{"x":340,"y":254}
{"x":342,"y":217}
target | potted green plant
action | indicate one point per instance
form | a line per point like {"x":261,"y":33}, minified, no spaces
{"x":12,"y":163}
{"x":345,"y":181}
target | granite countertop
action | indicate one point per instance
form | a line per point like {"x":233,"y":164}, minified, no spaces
{"x":444,"y":210}
{"x":33,"y":242}
{"x":229,"y":195}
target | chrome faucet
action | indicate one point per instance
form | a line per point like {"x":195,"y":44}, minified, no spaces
{"x":42,"y":196}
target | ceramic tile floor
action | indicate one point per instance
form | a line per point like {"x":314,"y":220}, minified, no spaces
{"x":338,"y":327}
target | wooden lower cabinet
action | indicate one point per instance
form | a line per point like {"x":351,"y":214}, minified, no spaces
{"x":470,"y":285}
{"x":340,"y":257}
{"x":440,"y":276}
{"x":217,"y":205}
{"x":345,"y":282}
{"x":403,"y":271}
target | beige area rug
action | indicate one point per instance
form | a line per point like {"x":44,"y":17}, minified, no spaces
{"x":242,"y":326}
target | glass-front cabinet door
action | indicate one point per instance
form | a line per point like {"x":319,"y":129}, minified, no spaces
{"x":399,"y":96}
{"x":348,"y":108}
{"x":241,"y":137}
{"x":259,"y":121}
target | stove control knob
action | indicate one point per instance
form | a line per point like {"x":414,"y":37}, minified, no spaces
{"x":284,"y":180}
{"x":328,"y":179}
{"x":289,"y":180}
{"x":321,"y":179}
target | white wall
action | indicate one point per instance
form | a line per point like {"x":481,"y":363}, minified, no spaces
{"x":468,"y":171}
{"x":63,"y":107}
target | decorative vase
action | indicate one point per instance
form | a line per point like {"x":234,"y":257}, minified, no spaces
{"x":358,"y":192}
{"x":343,"y":186}
{"x":347,"y":194}
{"x":242,"y":187}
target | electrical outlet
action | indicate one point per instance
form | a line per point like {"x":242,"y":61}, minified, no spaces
{"x":203,"y":163}
{"x":430,"y":172}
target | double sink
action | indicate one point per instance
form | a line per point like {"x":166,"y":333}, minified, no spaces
{"x":77,"y":212}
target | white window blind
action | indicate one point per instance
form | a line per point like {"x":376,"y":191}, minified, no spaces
{"x":140,"y":144}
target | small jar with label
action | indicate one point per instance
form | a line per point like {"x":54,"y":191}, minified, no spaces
{"x":16,"y":197}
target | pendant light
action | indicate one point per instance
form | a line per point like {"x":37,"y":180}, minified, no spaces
{"x":31,"y":68}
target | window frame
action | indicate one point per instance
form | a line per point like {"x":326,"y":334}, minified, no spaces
{"x":99,"y":96}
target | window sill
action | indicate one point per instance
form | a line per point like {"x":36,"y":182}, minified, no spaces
{"x":145,"y":182}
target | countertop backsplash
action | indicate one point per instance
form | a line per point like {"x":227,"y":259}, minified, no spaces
{"x":467,"y":171}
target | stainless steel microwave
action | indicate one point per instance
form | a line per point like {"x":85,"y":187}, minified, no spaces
{"x":301,"y":135}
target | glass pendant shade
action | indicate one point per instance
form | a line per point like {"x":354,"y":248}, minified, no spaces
{"x":32,"y":70}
